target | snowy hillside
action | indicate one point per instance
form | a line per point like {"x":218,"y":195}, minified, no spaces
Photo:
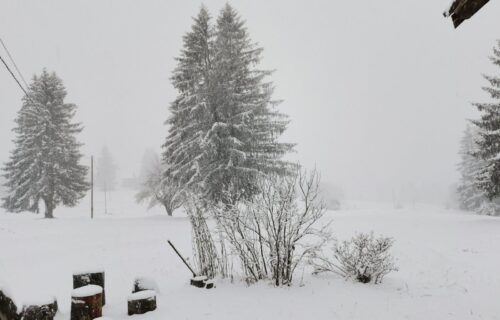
{"x":448,"y":266}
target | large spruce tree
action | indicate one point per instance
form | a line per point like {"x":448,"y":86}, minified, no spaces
{"x":224,"y":126}
{"x":183,"y":149}
{"x":44,"y":164}
{"x":488,"y":178}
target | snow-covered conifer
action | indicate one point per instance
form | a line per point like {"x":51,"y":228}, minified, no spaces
{"x":469,"y":195}
{"x":106,"y":171}
{"x":243,"y":138}
{"x":45,"y":162}
{"x":106,"y":175}
{"x":183,"y":149}
{"x":149,"y":161}
{"x":224,"y":127}
{"x":488,"y":179}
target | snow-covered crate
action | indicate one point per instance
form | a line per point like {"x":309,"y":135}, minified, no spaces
{"x":141,"y":302}
{"x":40,"y":311}
{"x":96,"y":277}
{"x":86,"y":302}
{"x":145,"y":283}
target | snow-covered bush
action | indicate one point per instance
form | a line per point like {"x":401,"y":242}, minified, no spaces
{"x":363,"y":258}
{"x":275,"y":231}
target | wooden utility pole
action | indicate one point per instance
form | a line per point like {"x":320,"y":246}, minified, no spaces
{"x":92,"y":187}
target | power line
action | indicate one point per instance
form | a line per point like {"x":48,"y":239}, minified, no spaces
{"x":13,"y":62}
{"x":17,"y":69}
{"x":12,"y":74}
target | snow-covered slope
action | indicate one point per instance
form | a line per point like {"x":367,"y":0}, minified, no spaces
{"x":449,"y":265}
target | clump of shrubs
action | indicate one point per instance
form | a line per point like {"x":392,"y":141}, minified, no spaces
{"x":364,"y":258}
{"x":272,"y":234}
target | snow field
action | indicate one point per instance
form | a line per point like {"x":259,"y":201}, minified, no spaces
{"x":448,"y":263}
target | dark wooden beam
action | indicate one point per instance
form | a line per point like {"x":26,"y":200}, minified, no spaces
{"x":461,"y":10}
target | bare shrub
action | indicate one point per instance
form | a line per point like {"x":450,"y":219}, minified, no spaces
{"x":159,"y":189}
{"x":363,"y":258}
{"x":275,"y":231}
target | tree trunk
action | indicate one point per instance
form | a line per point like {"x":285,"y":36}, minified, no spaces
{"x":82,"y":279}
{"x":105,"y":199}
{"x":141,"y":302}
{"x":49,"y":196}
{"x":49,"y":209}
{"x":168,"y":209}
{"x":86,"y":303}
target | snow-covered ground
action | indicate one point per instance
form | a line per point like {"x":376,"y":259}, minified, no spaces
{"x":449,"y":265}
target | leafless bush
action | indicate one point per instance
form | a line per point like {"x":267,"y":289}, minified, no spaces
{"x":274,"y":232}
{"x":158,"y":189}
{"x":363,"y":258}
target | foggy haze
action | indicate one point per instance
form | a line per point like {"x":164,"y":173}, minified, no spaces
{"x":378,"y":93}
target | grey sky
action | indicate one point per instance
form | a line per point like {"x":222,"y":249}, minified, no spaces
{"x":378,"y":91}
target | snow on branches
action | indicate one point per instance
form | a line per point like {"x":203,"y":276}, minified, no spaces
{"x":224,"y":127}
{"x":488,"y":127}
{"x":363,"y":258}
{"x":275,"y":231}
{"x":45,"y":162}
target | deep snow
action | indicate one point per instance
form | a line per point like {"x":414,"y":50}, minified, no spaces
{"x":448,"y":260}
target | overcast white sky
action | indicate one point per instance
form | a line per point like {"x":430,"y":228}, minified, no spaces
{"x":378,"y":91}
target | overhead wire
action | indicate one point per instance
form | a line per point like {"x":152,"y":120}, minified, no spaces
{"x":13,"y":75}
{"x":18,"y":71}
{"x":13,"y":62}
